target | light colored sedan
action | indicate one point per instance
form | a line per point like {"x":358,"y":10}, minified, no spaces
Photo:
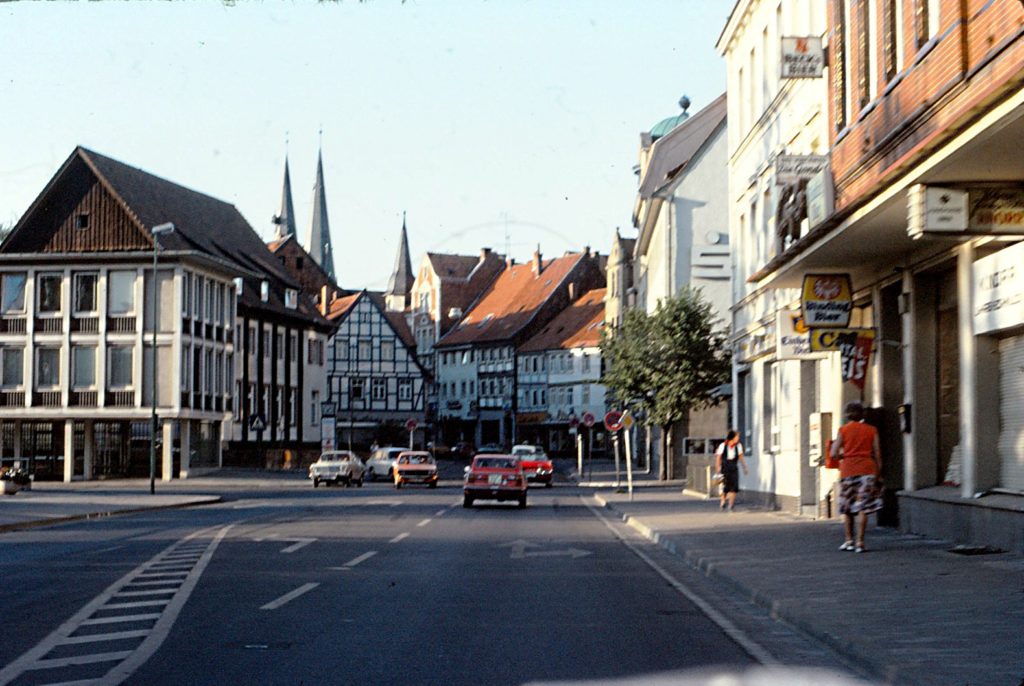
{"x":337,"y":467}
{"x":382,"y":462}
{"x":416,"y":467}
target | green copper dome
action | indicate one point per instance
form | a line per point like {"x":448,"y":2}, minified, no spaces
{"x":666,"y":125}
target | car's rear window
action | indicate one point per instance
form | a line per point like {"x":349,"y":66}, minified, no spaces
{"x":496,"y":463}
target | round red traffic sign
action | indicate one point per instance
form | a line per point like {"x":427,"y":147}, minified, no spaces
{"x":411,"y":425}
{"x":613,"y":420}
{"x":574,"y":421}
{"x":588,"y":419}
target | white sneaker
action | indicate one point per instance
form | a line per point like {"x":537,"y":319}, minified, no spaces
{"x":847,"y":545}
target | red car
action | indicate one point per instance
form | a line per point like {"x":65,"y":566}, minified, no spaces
{"x":494,"y":477}
{"x":536,"y":464}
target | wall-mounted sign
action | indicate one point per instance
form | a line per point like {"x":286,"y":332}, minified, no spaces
{"x":327,"y":427}
{"x":826,"y":300}
{"x":795,"y":168}
{"x":803,"y":57}
{"x":933,"y":209}
{"x":821,"y":202}
{"x":826,"y":340}
{"x":793,"y":337}
{"x":997,"y":210}
{"x":999,"y":290}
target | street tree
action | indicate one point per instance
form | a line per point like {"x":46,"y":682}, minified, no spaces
{"x":669,"y":363}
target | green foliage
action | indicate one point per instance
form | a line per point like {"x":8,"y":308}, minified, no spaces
{"x":667,"y":363}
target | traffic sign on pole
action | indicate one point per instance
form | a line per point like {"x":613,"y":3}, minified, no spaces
{"x":588,"y":419}
{"x":411,"y":424}
{"x":613,"y":420}
{"x":627,"y":421}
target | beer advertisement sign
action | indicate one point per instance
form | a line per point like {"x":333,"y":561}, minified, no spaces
{"x":827,"y":300}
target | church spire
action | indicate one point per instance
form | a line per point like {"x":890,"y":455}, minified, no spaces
{"x":320,"y":230}
{"x":284,"y":223}
{"x":399,"y":291}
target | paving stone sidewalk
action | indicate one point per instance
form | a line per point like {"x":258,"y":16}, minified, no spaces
{"x":908,"y":610}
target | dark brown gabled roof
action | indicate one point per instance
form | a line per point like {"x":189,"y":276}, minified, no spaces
{"x":511,"y":302}
{"x":202,"y":224}
{"x":577,"y":326}
{"x":452,"y":266}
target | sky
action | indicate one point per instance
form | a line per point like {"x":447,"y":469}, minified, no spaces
{"x":497,"y":123}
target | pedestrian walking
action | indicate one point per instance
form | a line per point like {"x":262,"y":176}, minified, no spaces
{"x":860,"y":463}
{"x":728,"y":460}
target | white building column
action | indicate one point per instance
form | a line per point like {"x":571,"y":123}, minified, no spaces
{"x":167,"y":469}
{"x":89,"y":449}
{"x":185,"y":447}
{"x":69,"y":450}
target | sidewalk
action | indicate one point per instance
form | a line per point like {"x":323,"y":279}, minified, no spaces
{"x":908,"y":610}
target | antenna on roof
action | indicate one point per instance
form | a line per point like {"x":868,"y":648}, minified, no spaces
{"x":508,"y":240}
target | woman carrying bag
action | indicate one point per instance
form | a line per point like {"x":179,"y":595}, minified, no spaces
{"x":860,"y":463}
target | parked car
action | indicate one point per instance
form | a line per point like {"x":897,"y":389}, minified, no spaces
{"x":490,"y":449}
{"x":382,"y":462}
{"x":464,"y":449}
{"x":415,"y":467}
{"x":536,"y":464}
{"x":338,"y":467}
{"x":494,"y":477}
{"x":438,"y":448}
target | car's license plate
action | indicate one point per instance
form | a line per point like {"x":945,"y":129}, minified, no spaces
{"x":494,"y":479}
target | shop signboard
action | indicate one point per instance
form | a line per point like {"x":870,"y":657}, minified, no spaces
{"x":820,"y":197}
{"x":854,"y":347}
{"x":999,"y":290}
{"x":795,"y":168}
{"x":828,"y":340}
{"x":997,"y":210}
{"x":793,"y":337}
{"x":803,"y":57}
{"x":826,"y":300}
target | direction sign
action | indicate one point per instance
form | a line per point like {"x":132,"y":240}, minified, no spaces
{"x":613,"y":420}
{"x":411,"y":424}
{"x":257,"y":423}
{"x":588,"y":419}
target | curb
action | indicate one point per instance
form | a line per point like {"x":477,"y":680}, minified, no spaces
{"x":53,"y":521}
{"x":848,"y":648}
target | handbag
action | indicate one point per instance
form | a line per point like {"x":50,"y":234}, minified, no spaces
{"x":830,"y":461}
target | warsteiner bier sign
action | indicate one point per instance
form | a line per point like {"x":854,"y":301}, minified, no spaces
{"x":827,"y":300}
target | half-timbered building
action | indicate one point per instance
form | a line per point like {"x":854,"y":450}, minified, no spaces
{"x":376,"y":382}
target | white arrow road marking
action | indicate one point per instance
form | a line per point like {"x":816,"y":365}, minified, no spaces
{"x":290,"y":596}
{"x":126,"y":662}
{"x":520,"y":550}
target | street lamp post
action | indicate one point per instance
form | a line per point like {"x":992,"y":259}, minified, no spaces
{"x":157,"y":230}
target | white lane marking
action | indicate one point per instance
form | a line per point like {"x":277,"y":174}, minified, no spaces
{"x":362,"y":558}
{"x":399,"y":537}
{"x":299,"y":544}
{"x":149,"y":617}
{"x":160,"y":582}
{"x":136,"y":594}
{"x":290,"y":596}
{"x":425,"y":522}
{"x":99,"y":638}
{"x":54,"y":663}
{"x":137,"y":603}
{"x":440,"y":513}
{"x":754,"y":649}
{"x":82,"y":682}
{"x":153,"y":575}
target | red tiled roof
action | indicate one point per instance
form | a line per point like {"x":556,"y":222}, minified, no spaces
{"x":511,"y":301}
{"x":340,"y":307}
{"x":577,"y":326}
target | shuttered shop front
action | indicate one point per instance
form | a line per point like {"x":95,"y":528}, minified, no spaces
{"x":1011,"y":412}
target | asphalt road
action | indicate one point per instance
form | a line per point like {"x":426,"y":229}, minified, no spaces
{"x":349,"y":586}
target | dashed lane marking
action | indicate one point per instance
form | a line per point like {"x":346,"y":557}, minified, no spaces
{"x":399,"y":537}
{"x":355,"y":561}
{"x":425,"y":522}
{"x":290,"y":596}
{"x":91,"y":649}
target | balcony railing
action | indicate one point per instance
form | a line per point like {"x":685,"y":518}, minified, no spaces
{"x":46,"y":399}
{"x":13,"y":325}
{"x":49,"y":324}
{"x":120,"y":398}
{"x":12,"y":398}
{"x":121,"y":324}
{"x":85,"y":325}
{"x":84,"y":399}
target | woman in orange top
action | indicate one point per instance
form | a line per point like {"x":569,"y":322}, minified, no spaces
{"x":860,"y":463}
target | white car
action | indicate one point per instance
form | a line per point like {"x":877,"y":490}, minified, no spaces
{"x":382,"y":462}
{"x":338,"y":467}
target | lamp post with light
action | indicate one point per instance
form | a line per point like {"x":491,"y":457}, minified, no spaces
{"x":157,"y":230}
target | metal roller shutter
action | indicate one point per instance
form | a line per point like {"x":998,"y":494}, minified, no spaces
{"x":1011,"y":412}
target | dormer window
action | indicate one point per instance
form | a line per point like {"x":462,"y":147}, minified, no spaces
{"x":291,"y":298}
{"x":264,"y":291}
{"x":82,"y":220}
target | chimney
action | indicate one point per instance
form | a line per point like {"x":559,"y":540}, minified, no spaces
{"x":510,"y":262}
{"x":324,"y":305}
{"x":484,"y":253}
{"x":586,"y":251}
{"x":537,"y":261}
{"x":572,"y":291}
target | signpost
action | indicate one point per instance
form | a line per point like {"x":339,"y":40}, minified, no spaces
{"x":588,"y":419}
{"x":627,"y":424}
{"x":410,"y":426}
{"x":258,"y":425}
{"x":613,"y":423}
